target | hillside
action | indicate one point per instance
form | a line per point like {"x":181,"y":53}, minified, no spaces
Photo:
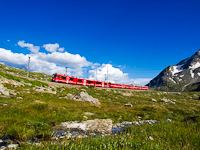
{"x":181,"y":76}
{"x":38,"y":114}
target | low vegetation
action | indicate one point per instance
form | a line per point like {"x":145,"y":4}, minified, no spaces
{"x":34,"y":114}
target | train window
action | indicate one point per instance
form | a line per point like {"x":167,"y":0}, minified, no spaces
{"x":80,"y":80}
{"x":58,"y":77}
{"x":62,"y":77}
{"x":71,"y":79}
{"x":98,"y":82}
{"x":89,"y":82}
{"x":105,"y":83}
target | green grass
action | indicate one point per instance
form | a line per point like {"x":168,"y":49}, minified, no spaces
{"x":22,"y":119}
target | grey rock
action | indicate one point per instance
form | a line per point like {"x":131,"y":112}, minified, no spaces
{"x":153,"y":100}
{"x":96,"y":125}
{"x":85,"y":97}
{"x":12,"y":146}
{"x":128,"y":105}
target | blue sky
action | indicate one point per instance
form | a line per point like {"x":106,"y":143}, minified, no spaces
{"x":137,"y":37}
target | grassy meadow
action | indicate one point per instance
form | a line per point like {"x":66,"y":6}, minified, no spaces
{"x":35,"y":114}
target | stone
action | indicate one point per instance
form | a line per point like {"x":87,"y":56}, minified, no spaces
{"x":12,"y":146}
{"x":85,"y":117}
{"x":127,"y":94}
{"x":69,"y":96}
{"x":167,"y":101}
{"x":168,"y":120}
{"x":88,"y":114}
{"x":39,"y":102}
{"x":151,"y":138}
{"x":85,"y":97}
{"x":54,"y":138}
{"x":128,"y":105}
{"x":19,"y":98}
{"x":96,"y":125}
{"x":39,"y":90}
{"x":153,"y":100}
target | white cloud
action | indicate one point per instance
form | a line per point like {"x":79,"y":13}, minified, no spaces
{"x":51,"y":47}
{"x":61,"y":49}
{"x":95,"y":65}
{"x":8,"y":40}
{"x":29,"y":46}
{"x":47,"y":63}
{"x":114,"y":75}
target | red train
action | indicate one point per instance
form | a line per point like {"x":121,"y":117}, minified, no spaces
{"x":78,"y":81}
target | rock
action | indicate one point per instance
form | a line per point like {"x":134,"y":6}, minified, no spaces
{"x":19,"y":98}
{"x":151,"y":138}
{"x":96,"y":125}
{"x":39,"y":90}
{"x":79,"y":137}
{"x":128,"y":105}
{"x":167,"y":101}
{"x":127,"y":94}
{"x":85,"y":97}
{"x":69,"y":96}
{"x":68,"y":136}
{"x":54,"y":138}
{"x":13,"y":93}
{"x":168,"y":120}
{"x":88,"y":114}
{"x":153,"y":100}
{"x":12,"y":146}
{"x":85,"y":117}
{"x":39,"y":102}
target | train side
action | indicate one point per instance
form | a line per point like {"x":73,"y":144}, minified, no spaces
{"x":86,"y":82}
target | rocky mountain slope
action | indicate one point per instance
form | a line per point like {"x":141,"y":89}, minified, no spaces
{"x":181,"y":76}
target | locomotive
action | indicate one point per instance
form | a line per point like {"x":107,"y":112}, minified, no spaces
{"x":86,"y":82}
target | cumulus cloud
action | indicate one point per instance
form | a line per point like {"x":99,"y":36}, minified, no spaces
{"x":47,"y":63}
{"x":29,"y":46}
{"x":95,"y":65}
{"x":51,"y":47}
{"x":61,"y":49}
{"x":115,"y":75}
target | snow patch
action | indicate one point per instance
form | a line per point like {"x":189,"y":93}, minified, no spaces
{"x":176,"y":69}
{"x":198,"y":73}
{"x":195,"y":66}
{"x":192,"y":74}
{"x":172,"y":79}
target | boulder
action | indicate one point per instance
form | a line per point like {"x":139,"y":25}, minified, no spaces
{"x":153,"y":100}
{"x":127,"y":94}
{"x":167,"y":101}
{"x":85,"y":97}
{"x":97,"y":125}
{"x":128,"y":105}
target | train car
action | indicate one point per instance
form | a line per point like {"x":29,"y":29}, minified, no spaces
{"x":137,"y":87}
{"x":114,"y":85}
{"x":80,"y":81}
{"x":128,"y":86}
{"x":105,"y":84}
{"x":98,"y":83}
{"x":145,"y":88}
{"x":90,"y":83}
{"x":59,"y":78}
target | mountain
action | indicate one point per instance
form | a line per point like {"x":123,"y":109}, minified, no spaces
{"x":184,"y":76}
